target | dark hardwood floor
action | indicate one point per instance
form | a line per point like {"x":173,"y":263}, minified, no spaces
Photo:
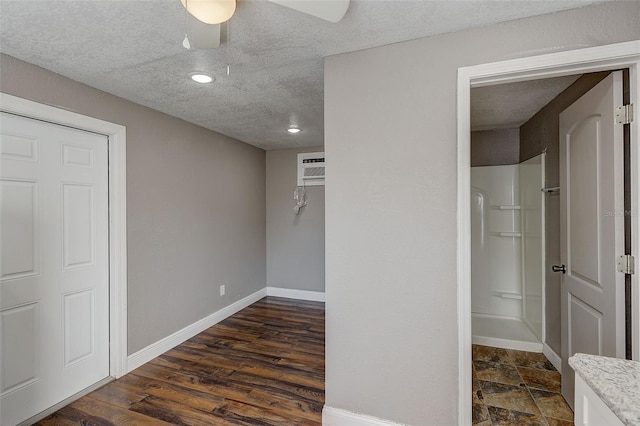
{"x":261,"y":366}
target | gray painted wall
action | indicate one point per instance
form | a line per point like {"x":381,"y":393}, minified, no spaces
{"x":295,"y":244}
{"x":495,"y":147}
{"x":540,"y":132}
{"x":195,"y":206}
{"x":390,"y":136}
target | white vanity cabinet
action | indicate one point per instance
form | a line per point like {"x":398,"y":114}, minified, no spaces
{"x":607,"y":391}
{"x":590,"y":410}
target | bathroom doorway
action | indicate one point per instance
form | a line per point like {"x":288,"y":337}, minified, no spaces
{"x":544,"y":66}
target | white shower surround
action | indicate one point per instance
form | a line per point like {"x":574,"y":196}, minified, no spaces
{"x":532,"y":222}
{"x":507,"y":255}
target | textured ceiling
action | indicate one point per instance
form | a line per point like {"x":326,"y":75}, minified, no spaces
{"x":133,"y":49}
{"x":507,"y":106}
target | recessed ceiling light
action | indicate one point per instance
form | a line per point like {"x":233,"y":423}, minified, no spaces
{"x":293,"y":130}
{"x":201,"y":78}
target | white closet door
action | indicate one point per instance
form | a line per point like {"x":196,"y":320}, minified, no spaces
{"x":54,"y":282}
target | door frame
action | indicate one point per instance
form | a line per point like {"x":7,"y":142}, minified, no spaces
{"x":593,"y":59}
{"x":117,"y":212}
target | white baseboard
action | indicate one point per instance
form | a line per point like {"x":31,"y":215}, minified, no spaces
{"x":315,"y":296}
{"x":161,"y":346}
{"x":338,"y":417}
{"x":507,"y":344}
{"x":553,"y":357}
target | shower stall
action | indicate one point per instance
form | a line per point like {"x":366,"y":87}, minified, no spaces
{"x":507,"y":255}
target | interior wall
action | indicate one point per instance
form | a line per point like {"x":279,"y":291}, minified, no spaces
{"x":495,"y":147}
{"x":195,"y":206}
{"x":295,"y":243}
{"x":536,"y":135}
{"x":392,"y":328}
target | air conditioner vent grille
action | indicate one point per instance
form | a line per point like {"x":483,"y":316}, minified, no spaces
{"x":313,"y":160}
{"x":311,"y":169}
{"x":314,"y":172}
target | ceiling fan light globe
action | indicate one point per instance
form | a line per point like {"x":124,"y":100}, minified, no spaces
{"x":210,"y":11}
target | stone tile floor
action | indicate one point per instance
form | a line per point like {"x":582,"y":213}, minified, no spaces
{"x":516,"y":388}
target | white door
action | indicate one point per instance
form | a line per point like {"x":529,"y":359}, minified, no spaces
{"x":54,"y":282}
{"x":591,"y":226}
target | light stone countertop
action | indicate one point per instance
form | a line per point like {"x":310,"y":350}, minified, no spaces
{"x":615,"y":381}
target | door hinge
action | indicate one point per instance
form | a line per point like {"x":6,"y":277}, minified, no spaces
{"x":627,"y":264}
{"x":624,"y":114}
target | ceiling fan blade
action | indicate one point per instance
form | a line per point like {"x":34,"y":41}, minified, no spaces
{"x":203,"y":36}
{"x":329,"y":10}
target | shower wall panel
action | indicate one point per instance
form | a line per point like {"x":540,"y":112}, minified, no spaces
{"x":532,"y":214}
{"x":496,"y":241}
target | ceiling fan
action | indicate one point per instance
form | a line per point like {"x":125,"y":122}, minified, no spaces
{"x":204,"y":30}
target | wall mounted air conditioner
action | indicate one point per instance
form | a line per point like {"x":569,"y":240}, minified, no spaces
{"x":311,"y":169}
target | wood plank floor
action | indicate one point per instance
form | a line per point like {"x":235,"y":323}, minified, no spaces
{"x":261,"y":366}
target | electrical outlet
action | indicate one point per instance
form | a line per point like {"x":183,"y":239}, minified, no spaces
{"x":222,"y":290}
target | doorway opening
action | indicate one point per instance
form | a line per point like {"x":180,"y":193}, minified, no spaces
{"x":515,"y":211}
{"x":516,"y":169}
{"x":620,"y":56}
